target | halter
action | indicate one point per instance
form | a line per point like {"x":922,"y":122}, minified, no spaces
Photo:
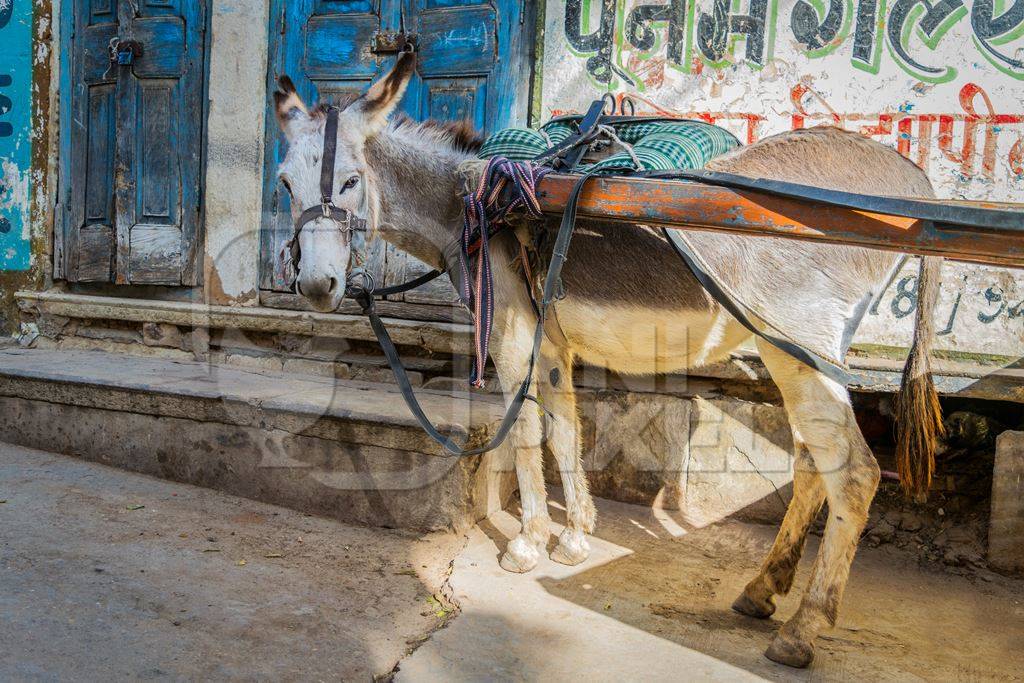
{"x":347,"y":222}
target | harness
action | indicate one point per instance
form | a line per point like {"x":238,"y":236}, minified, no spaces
{"x":482,"y":219}
{"x":509,"y":185}
{"x":346,"y":221}
{"x":505,"y":186}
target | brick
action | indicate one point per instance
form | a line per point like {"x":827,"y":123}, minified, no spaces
{"x":161,"y":334}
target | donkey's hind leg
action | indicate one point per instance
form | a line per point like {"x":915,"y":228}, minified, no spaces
{"x":779,"y":567}
{"x":822,"y":415}
{"x":563,"y":438}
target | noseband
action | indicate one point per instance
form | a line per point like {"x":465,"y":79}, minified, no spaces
{"x":347,"y":222}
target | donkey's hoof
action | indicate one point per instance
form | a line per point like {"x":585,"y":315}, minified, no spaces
{"x":789,"y":651}
{"x":752,"y":608}
{"x":520,"y":556}
{"x":572,"y":548}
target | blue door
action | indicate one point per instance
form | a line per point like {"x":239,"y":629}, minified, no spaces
{"x":132,"y":131}
{"x":473,"y":62}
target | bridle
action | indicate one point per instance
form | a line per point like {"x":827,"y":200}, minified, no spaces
{"x":345,"y":219}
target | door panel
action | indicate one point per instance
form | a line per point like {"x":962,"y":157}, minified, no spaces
{"x":456,"y":41}
{"x":100,"y":10}
{"x":164,"y":41}
{"x":100,"y":155}
{"x":472,"y":63}
{"x":93,"y":42}
{"x":455,"y":99}
{"x":155,"y":253}
{"x":132,"y":176}
{"x":159,"y":186}
{"x":336,"y":46}
{"x":95,"y":256}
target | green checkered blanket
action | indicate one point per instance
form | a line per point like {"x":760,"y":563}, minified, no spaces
{"x":658,"y":145}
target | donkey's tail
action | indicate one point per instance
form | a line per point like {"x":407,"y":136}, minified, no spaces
{"x":918,"y":414}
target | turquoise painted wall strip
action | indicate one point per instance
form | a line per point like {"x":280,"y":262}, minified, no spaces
{"x":15,"y":140}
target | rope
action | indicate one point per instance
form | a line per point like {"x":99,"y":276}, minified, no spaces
{"x":604,"y":129}
{"x":505,"y":186}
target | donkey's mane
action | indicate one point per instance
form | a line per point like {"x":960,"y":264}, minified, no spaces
{"x":461,"y":136}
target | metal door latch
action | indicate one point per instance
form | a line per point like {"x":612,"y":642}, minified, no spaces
{"x":391,"y":42}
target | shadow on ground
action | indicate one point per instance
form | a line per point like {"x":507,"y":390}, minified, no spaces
{"x":898,"y":621}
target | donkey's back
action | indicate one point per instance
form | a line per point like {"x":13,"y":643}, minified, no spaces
{"x":828,"y":157}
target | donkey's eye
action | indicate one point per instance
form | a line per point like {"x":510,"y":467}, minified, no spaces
{"x":350,"y":183}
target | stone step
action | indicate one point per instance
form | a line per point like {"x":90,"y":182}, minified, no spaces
{"x":345,"y":449}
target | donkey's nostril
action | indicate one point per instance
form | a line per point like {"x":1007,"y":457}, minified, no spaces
{"x":334,"y":286}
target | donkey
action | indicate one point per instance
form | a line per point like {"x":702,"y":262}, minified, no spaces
{"x":406,"y":178}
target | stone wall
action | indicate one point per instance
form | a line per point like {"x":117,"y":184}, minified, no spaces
{"x":706,"y":458}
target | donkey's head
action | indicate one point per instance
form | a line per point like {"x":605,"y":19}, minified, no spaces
{"x":322,"y":244}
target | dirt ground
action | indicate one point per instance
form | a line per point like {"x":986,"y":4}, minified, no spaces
{"x":108,"y":575}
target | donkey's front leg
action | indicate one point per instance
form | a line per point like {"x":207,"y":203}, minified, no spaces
{"x":563,"y":438}
{"x":511,"y":356}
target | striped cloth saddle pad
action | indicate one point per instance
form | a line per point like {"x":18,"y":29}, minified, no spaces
{"x":658,"y":145}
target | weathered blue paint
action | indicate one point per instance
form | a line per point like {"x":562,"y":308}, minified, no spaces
{"x":473,"y":63}
{"x":15,"y":137}
{"x":131,"y":142}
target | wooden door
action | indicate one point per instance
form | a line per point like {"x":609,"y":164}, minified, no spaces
{"x":132,"y":145}
{"x":473,"y":62}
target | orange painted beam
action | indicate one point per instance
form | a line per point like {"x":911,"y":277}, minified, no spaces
{"x":675,"y":204}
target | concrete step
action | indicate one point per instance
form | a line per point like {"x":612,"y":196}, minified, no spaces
{"x":340,"y":448}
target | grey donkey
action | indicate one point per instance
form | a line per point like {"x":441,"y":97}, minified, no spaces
{"x":633,"y":307}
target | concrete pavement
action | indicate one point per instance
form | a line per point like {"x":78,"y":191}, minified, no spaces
{"x":109,"y":575}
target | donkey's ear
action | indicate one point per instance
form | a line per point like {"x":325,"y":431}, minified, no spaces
{"x":384,"y":95}
{"x":290,"y":109}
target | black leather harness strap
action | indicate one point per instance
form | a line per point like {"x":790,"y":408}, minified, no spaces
{"x":942,"y":214}
{"x":709,"y":283}
{"x":365,"y":297}
{"x":330,"y":152}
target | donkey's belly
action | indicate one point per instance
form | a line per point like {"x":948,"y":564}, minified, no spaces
{"x":635,"y":340}
{"x":633,"y":306}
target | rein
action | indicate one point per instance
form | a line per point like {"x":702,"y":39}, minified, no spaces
{"x":485,"y":212}
{"x":505,"y":186}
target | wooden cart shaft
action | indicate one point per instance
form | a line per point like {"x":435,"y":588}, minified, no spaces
{"x":674,"y":204}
